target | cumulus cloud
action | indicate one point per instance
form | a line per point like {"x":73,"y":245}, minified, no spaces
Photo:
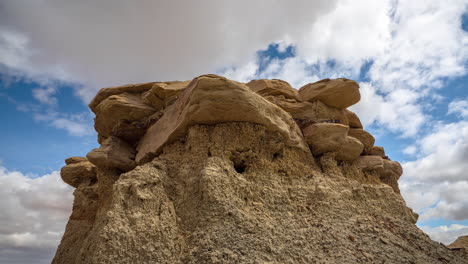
{"x":45,"y":95}
{"x":74,"y":124}
{"x":436,"y":183}
{"x":446,"y":234}
{"x":120,"y":42}
{"x":34,"y":214}
{"x":459,"y":107}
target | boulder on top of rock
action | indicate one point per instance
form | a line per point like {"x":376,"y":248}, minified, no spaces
{"x":365,"y":137}
{"x":163,"y":94}
{"x":349,"y":150}
{"x":340,"y":93}
{"x":115,"y":108}
{"x":106,"y":92}
{"x":325,"y":137}
{"x":306,"y":113}
{"x":376,"y":151}
{"x":330,"y":137}
{"x":274,"y":87}
{"x":369,"y":163}
{"x":113,"y":153}
{"x":391,"y":173}
{"x":74,"y":174}
{"x":72,"y":160}
{"x":211,"y":99}
{"x":353,"y":119}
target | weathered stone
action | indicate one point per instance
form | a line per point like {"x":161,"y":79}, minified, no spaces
{"x":369,"y":163}
{"x":353,"y":119}
{"x":113,"y":153}
{"x":78,"y":173}
{"x":265,"y":87}
{"x":211,"y":99}
{"x":115,"y":108}
{"x":164,"y":94}
{"x":130,"y":88}
{"x":306,"y":113}
{"x":461,"y":242}
{"x":72,"y":160}
{"x":340,"y":93}
{"x":391,"y":173}
{"x":365,"y":137}
{"x":349,"y":150}
{"x":376,"y":151}
{"x":325,"y":137}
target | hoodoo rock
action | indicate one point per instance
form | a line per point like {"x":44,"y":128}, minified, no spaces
{"x":340,"y":93}
{"x":217,"y":171}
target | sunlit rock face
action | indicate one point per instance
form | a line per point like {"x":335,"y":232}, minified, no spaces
{"x":212,"y":170}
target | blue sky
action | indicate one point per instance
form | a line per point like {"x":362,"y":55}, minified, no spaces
{"x":409,"y":56}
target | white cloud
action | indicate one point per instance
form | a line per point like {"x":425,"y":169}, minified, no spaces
{"x":75,"y":125}
{"x":34,"y":214}
{"x":120,"y":42}
{"x":45,"y":95}
{"x":446,"y":234}
{"x":410,"y":150}
{"x":459,"y":107}
{"x":436,"y":183}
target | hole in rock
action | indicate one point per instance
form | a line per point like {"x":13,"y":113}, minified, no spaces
{"x":276,"y":155}
{"x":240,"y":166}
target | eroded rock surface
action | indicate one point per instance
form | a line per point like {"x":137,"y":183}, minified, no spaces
{"x":216,"y":171}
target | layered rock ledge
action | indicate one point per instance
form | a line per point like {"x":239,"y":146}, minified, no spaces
{"x":217,"y":171}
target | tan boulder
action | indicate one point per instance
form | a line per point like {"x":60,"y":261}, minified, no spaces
{"x":391,"y":173}
{"x":349,"y":150}
{"x":72,"y":160}
{"x":211,"y":99}
{"x":353,"y":119}
{"x":265,"y":87}
{"x":365,"y":137}
{"x":376,"y":151}
{"x":325,"y":137}
{"x":461,"y":242}
{"x":369,"y":163}
{"x":78,"y":173}
{"x":106,"y":92}
{"x":115,"y":108}
{"x":306,"y":113}
{"x":113,"y":153}
{"x":340,"y":93}
{"x":163,"y":94}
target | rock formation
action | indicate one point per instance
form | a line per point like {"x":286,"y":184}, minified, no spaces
{"x":216,"y":171}
{"x":460,"y":246}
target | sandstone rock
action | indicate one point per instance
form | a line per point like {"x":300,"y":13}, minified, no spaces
{"x":365,"y":137}
{"x":120,"y":107}
{"x":306,"y":113}
{"x":329,"y":137}
{"x":461,"y":242}
{"x":113,"y":153}
{"x":265,"y":87}
{"x":376,"y":151}
{"x":391,"y":173}
{"x":106,"y":92}
{"x":325,"y":137}
{"x":353,"y":119}
{"x":164,"y":94}
{"x":369,"y":163}
{"x":211,"y":99}
{"x":72,"y":160}
{"x":339,"y":93}
{"x":78,"y":173}
{"x":349,"y":150}
{"x":226,"y":176}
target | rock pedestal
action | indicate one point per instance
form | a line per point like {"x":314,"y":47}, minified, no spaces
{"x":216,"y":171}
